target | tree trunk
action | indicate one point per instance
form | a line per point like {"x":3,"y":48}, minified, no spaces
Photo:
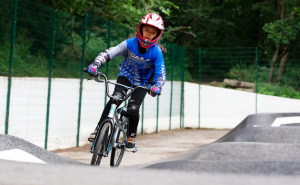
{"x":237,"y":83}
{"x":282,"y":66}
{"x":273,"y":65}
{"x":72,"y":24}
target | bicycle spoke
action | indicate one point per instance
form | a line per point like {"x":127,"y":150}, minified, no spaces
{"x":118,"y":152}
{"x":101,"y":144}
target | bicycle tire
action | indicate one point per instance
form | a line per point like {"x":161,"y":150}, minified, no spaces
{"x":101,"y":144}
{"x":117,"y":153}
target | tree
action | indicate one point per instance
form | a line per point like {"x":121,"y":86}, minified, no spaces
{"x":282,"y":33}
{"x":218,"y":23}
{"x":126,"y":12}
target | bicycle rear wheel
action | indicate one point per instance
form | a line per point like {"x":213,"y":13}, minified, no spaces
{"x":118,"y":152}
{"x":101,"y":144}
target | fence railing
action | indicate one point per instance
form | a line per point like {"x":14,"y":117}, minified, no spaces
{"x":43,"y":91}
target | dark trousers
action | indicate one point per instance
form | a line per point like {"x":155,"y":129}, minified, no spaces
{"x":134,"y":104}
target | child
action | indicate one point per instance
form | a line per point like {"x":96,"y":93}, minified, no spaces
{"x":143,"y":65}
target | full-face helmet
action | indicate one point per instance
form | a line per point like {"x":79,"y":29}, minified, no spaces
{"x":154,"y":20}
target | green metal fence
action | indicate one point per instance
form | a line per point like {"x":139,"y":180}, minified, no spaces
{"x":41,"y":43}
{"x":38,"y":41}
{"x":210,"y":66}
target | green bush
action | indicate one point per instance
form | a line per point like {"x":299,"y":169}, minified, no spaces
{"x":287,"y":87}
{"x":277,"y":90}
{"x":242,"y":72}
{"x":24,"y":64}
{"x":246,"y":73}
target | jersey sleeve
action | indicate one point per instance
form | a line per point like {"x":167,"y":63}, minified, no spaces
{"x":111,"y":53}
{"x":160,"y":70}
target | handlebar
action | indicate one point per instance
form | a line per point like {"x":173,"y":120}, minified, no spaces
{"x":99,"y":74}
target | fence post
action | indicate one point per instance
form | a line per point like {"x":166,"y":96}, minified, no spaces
{"x":199,"y":83}
{"x":50,"y":75}
{"x":12,"y":45}
{"x":81,"y":76}
{"x":127,"y":36}
{"x":107,"y":64}
{"x":182,"y":94}
{"x":142,"y":129}
{"x":256,"y":77}
{"x":171,"y":95}
{"x":157,"y":113}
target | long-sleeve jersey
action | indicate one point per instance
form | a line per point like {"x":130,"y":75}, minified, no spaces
{"x":140,"y":69}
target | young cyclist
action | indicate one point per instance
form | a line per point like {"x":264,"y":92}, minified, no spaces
{"x":143,"y":65}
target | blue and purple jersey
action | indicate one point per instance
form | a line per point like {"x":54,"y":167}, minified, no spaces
{"x":140,"y":69}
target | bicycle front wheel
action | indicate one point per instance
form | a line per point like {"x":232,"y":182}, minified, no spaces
{"x":118,"y":152}
{"x":101,"y":144}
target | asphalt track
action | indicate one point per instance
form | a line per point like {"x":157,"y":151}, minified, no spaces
{"x":253,"y":147}
{"x":262,"y":149}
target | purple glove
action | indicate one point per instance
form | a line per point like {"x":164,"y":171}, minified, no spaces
{"x":155,"y":90}
{"x":93,"y":70}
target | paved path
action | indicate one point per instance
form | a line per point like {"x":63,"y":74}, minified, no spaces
{"x":152,"y":148}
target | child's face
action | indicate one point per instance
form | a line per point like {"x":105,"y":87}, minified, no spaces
{"x":149,"y":32}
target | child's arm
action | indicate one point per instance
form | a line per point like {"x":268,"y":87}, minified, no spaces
{"x":106,"y":56}
{"x":111,"y":53}
{"x":160,"y":71}
{"x":159,"y":76}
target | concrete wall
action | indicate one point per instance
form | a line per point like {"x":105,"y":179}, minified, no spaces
{"x":220,"y":108}
{"x":28,"y":107}
{"x":226,"y":108}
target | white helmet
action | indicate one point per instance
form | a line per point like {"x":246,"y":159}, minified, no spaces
{"x":154,"y":20}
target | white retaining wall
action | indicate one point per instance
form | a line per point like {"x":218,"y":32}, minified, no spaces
{"x":220,"y":108}
{"x":226,"y":108}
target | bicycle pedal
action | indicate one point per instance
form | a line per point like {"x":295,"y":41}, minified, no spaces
{"x":135,"y":150}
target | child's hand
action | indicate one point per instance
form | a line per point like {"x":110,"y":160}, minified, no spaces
{"x":93,"y":70}
{"x":155,"y":90}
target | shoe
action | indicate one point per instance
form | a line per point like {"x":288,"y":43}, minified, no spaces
{"x":130,"y":145}
{"x":92,"y":136}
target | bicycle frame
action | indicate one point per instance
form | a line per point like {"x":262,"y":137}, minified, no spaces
{"x":113,"y":111}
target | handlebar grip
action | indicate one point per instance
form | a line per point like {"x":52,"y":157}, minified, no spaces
{"x":148,"y":90}
{"x":86,"y":71}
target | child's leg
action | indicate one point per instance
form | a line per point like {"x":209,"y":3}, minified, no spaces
{"x":133,"y":108}
{"x":119,"y":91}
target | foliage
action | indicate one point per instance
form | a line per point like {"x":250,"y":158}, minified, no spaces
{"x":213,"y":23}
{"x":283,"y":31}
{"x":126,"y":12}
{"x":277,"y":90}
{"x":287,"y":88}
{"x":242,"y":72}
{"x":218,"y":23}
{"x":246,"y":73}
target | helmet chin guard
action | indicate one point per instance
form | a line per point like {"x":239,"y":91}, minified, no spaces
{"x":154,"y":20}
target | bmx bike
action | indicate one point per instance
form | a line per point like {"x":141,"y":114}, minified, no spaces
{"x":111,"y":132}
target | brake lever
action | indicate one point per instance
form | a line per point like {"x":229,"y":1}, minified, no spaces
{"x":98,"y":78}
